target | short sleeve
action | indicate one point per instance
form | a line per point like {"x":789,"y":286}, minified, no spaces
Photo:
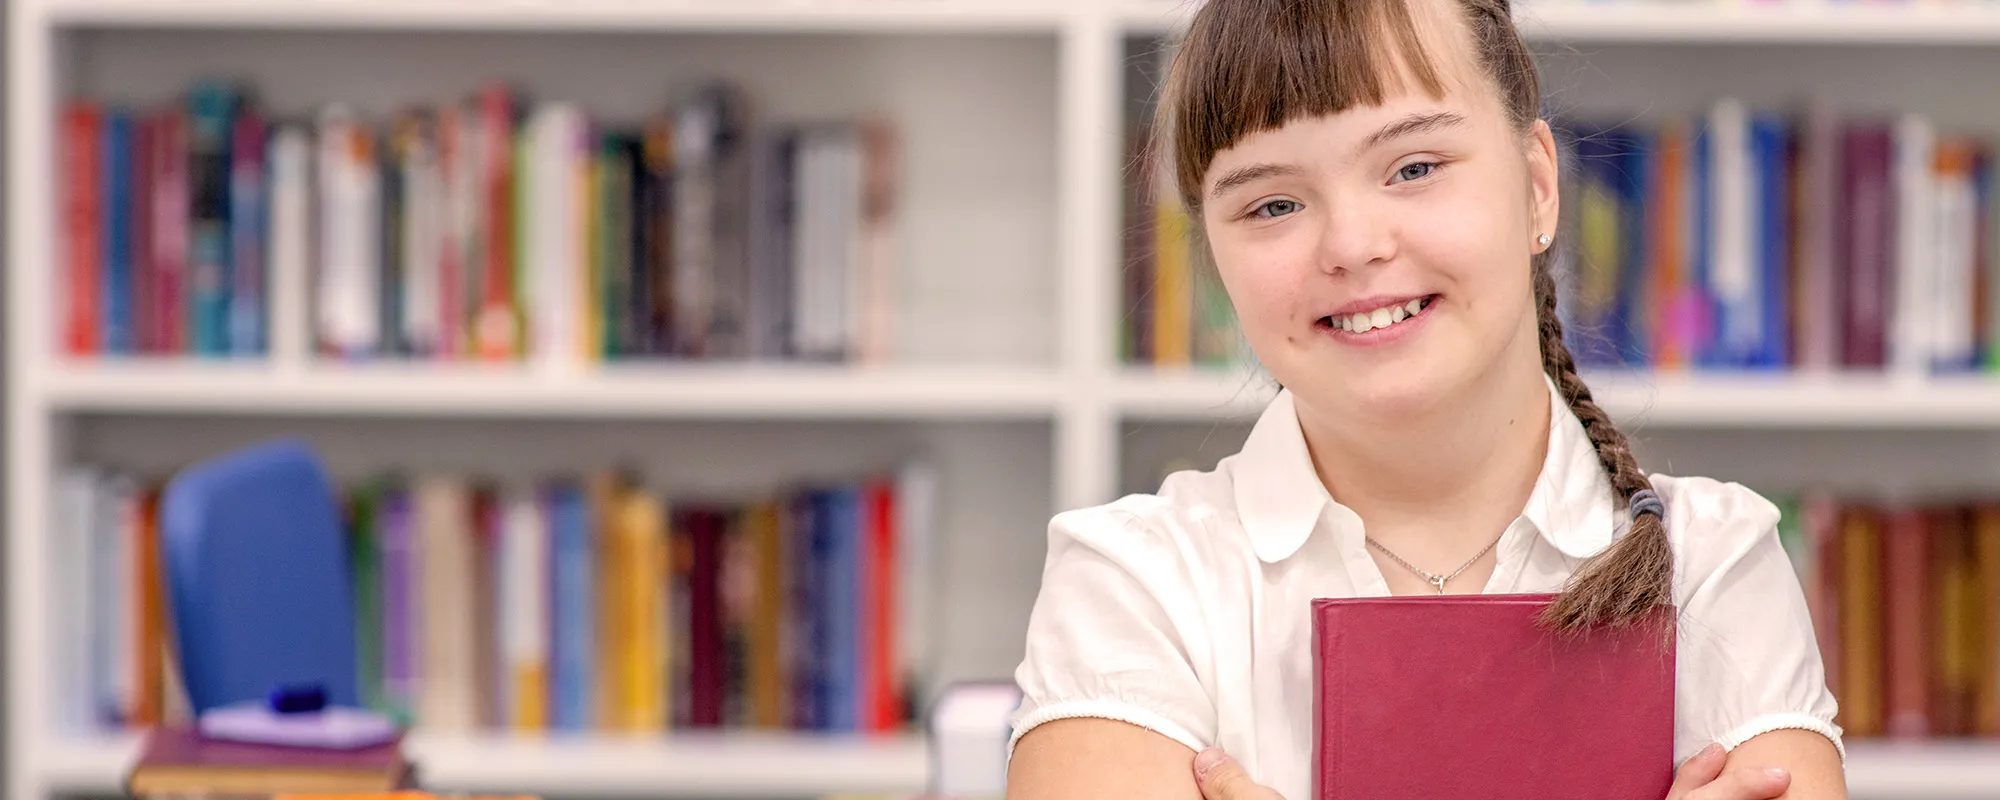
{"x":1110,"y":632}
{"x":1749,"y":662}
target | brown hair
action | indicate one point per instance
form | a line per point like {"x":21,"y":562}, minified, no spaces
{"x":1246,"y":66}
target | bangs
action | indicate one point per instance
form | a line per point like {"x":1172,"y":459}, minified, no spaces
{"x":1247,"y":66}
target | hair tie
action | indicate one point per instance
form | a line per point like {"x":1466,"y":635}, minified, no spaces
{"x":1645,"y":501}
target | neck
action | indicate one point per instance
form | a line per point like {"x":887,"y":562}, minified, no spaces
{"x":1452,"y":471}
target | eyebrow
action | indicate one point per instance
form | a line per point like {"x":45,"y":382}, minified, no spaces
{"x":1407,"y":126}
{"x":1254,"y":172}
{"x":1414,"y":124}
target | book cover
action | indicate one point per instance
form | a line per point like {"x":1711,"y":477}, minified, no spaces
{"x":1469,"y":697}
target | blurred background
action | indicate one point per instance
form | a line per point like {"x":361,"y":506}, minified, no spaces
{"x":699,"y":376}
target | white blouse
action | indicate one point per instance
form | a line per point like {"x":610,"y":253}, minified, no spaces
{"x":1187,"y":612}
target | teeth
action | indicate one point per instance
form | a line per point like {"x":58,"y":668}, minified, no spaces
{"x":1379,"y":318}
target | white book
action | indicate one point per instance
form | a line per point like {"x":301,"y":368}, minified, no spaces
{"x":350,"y":255}
{"x":1915,"y":267}
{"x":423,"y":243}
{"x":1732,"y":249}
{"x":1950,"y":304}
{"x":808,"y":245}
{"x":447,"y":698}
{"x":525,"y":604}
{"x":77,"y":552}
{"x":917,"y":565}
{"x":289,"y":261}
{"x":694,"y":224}
{"x":555,"y":238}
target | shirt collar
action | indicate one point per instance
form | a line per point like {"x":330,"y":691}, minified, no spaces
{"x":1280,"y":499}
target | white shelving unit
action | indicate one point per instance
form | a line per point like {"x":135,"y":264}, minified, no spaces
{"x":1010,"y":251}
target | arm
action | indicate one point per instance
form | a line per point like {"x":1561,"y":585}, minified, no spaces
{"x":1810,"y":758}
{"x":1113,"y":706}
{"x":1086,"y":758}
{"x":1751,"y":675}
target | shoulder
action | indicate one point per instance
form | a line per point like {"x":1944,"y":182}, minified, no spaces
{"x":1187,"y":530}
{"x":1718,"y":528}
{"x":1705,"y":512}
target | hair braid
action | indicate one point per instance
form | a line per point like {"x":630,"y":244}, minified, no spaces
{"x":1634,"y":577}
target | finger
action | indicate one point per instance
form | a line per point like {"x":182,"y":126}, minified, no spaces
{"x":1745,"y":784}
{"x":1221,"y":778}
{"x":1697,"y":772}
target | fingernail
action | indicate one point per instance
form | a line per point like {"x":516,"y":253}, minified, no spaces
{"x":1207,"y":760}
{"x":1776,"y":774}
{"x":1709,"y":752}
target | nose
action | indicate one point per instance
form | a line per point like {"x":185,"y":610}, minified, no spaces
{"x":1356,"y":235}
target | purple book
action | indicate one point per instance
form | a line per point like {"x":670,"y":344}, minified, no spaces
{"x":399,"y":571}
{"x":178,"y":760}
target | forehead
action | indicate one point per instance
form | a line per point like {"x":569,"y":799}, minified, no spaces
{"x":1438,"y":44}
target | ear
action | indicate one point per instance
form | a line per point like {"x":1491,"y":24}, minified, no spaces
{"x":1543,"y":181}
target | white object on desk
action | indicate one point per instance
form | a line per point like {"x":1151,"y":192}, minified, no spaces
{"x":332,"y":727}
{"x":970,"y":725}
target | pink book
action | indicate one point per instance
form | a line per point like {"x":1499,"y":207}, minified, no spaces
{"x":1466,"y":696}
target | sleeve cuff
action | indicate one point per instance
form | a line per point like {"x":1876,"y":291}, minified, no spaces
{"x":1104,"y":709}
{"x":1776,"y":722}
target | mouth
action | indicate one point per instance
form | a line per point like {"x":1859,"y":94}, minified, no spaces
{"x":1389,"y":317}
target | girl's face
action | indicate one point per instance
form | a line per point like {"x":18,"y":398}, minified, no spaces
{"x":1379,"y":258}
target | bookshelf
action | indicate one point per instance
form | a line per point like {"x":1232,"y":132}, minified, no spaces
{"x":1005,"y":366}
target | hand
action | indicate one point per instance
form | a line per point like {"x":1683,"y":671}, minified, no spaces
{"x":1221,"y":778}
{"x":1702,"y":778}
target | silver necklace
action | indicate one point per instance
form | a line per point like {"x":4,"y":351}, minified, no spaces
{"x":1436,"y":580}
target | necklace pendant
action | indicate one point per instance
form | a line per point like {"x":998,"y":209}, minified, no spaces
{"x":1438,"y":581}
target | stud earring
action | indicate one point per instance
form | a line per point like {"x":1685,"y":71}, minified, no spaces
{"x":1542,"y":240}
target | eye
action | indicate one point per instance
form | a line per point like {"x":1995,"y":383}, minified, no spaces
{"x":1416,"y":170}
{"x":1277,"y":208}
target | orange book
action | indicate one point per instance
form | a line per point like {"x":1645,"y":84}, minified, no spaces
{"x":150,"y":650}
{"x":1986,"y":684}
{"x":1670,"y":339}
{"x":1861,"y":709}
{"x":497,"y":331}
{"x":769,"y":700}
{"x":1173,"y":286}
{"x":1956,"y":626}
{"x":639,"y":622}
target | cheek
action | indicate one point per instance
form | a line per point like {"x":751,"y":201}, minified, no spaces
{"x":1484,"y":258}
{"x":1265,"y":277}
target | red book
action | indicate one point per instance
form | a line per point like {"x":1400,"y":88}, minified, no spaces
{"x":178,"y":761}
{"x":1466,"y":696}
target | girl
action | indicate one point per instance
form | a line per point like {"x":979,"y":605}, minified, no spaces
{"x":1380,"y":197}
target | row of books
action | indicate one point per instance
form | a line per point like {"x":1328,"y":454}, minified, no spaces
{"x":163,"y":231}
{"x":1175,"y":311}
{"x":1905,"y":600}
{"x":485,"y":227}
{"x":594,"y":604}
{"x":1797,"y":238}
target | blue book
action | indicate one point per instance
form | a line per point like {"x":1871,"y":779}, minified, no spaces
{"x":117,"y":194}
{"x":574,"y":660}
{"x":806,"y":645}
{"x":1772,"y":138}
{"x":211,"y":111}
{"x":842,"y":561}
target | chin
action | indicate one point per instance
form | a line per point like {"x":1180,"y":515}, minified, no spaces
{"x":1378,"y":392}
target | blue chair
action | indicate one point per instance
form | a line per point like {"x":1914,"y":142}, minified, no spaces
{"x":256,"y":567}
